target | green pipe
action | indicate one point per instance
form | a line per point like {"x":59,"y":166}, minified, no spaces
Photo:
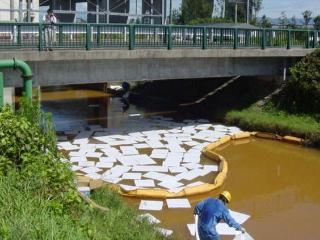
{"x":1,"y":90}
{"x":26,"y":74}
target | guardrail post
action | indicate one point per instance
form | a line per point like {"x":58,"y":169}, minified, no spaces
{"x":1,"y":90}
{"x":204,"y":38}
{"x":40,"y":36}
{"x":314,"y":39}
{"x":19,"y":36}
{"x":98,"y":35}
{"x":235,"y":38}
{"x":289,"y":39}
{"x":88,"y":37}
{"x":263,"y":39}
{"x":60,"y":35}
{"x":131,"y":37}
{"x":169,"y":38}
{"x":308,"y":39}
{"x":221,"y":37}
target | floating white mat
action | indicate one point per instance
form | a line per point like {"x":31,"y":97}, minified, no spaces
{"x":150,"y":168}
{"x":93,"y":154}
{"x":159,"y":153}
{"x":159,"y":176}
{"x":75,"y":168}
{"x":155,"y":144}
{"x":78,"y":159}
{"x":104,"y":164}
{"x":81,"y":141}
{"x":243,"y":236}
{"x":151,"y":219}
{"x":131,"y":176}
{"x":192,"y":157}
{"x":192,"y":143}
{"x":165,"y":232}
{"x":94,"y":176}
{"x":178,"y":203}
{"x":239,"y":217}
{"x":108,"y":159}
{"x":170,"y":184}
{"x":224,"y":229}
{"x":151,"y":205}
{"x":134,"y":160}
{"x":91,"y":170}
{"x":144,"y":183}
{"x":192,"y":166}
{"x":129,"y":150}
{"x":177,"y":169}
{"x":141,"y":146}
{"x":117,"y":171}
{"x":128,"y":187}
{"x":86,"y":164}
{"x":195,"y":184}
{"x":77,"y":154}
{"x":110,"y":180}
{"x":192,"y":229}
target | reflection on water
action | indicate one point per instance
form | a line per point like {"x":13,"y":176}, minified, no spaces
{"x":276,"y":183}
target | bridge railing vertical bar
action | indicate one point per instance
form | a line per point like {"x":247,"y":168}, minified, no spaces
{"x":276,"y":38}
{"x":110,"y":36}
{"x":204,"y":37}
{"x":40,"y":42}
{"x":289,"y":36}
{"x":132,"y":35}
{"x":235,"y":38}
{"x":299,"y":38}
{"x":150,"y":36}
{"x":183,"y":36}
{"x":60,"y":36}
{"x":169,"y":37}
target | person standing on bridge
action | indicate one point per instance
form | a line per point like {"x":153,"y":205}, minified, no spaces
{"x":49,"y":29}
{"x":210,"y":212}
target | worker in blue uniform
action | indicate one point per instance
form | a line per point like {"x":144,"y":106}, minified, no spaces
{"x":210,"y":212}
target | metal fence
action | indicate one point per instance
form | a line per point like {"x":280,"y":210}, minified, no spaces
{"x":124,"y":36}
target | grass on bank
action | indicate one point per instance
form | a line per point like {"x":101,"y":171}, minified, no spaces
{"x":276,"y":121}
{"x":38,"y":196}
{"x":24,"y":215}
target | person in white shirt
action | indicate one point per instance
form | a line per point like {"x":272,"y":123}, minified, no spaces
{"x":49,"y":29}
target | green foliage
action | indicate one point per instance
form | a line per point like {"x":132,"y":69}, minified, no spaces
{"x":208,"y":20}
{"x":193,"y":9}
{"x":26,"y":215}
{"x":302,"y":90}
{"x":265,"y":22}
{"x":38,"y":198}
{"x":28,"y":144}
{"x":271,"y":119}
{"x":317,"y":22}
{"x":307,"y":16}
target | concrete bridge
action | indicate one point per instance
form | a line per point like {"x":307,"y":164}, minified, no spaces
{"x":64,"y":67}
{"x":99,"y":53}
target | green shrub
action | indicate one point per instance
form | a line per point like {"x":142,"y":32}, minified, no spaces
{"x":302,"y":90}
{"x":28,"y":144}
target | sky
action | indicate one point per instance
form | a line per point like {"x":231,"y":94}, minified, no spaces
{"x":273,"y":8}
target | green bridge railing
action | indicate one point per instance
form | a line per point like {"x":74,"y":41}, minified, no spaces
{"x":108,"y":36}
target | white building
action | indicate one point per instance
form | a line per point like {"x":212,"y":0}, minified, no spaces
{"x":19,"y":10}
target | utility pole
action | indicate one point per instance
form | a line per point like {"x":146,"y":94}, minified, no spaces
{"x":20,"y":11}
{"x":236,"y":13}
{"x":170,"y":11}
{"x":248,"y":11}
{"x":11,"y":10}
{"x":28,"y":10}
{"x":108,"y":11}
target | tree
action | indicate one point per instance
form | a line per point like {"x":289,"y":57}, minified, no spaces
{"x":265,"y":22}
{"x":317,"y":22}
{"x":193,"y":9}
{"x":257,"y":6}
{"x":283,"y":20}
{"x":176,"y":17}
{"x":302,"y":90}
{"x":307,"y":17}
{"x":293,"y":23}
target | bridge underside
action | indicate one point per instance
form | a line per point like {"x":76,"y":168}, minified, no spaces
{"x":81,"y":67}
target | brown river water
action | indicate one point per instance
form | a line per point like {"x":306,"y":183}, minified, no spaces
{"x":276,"y":183}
